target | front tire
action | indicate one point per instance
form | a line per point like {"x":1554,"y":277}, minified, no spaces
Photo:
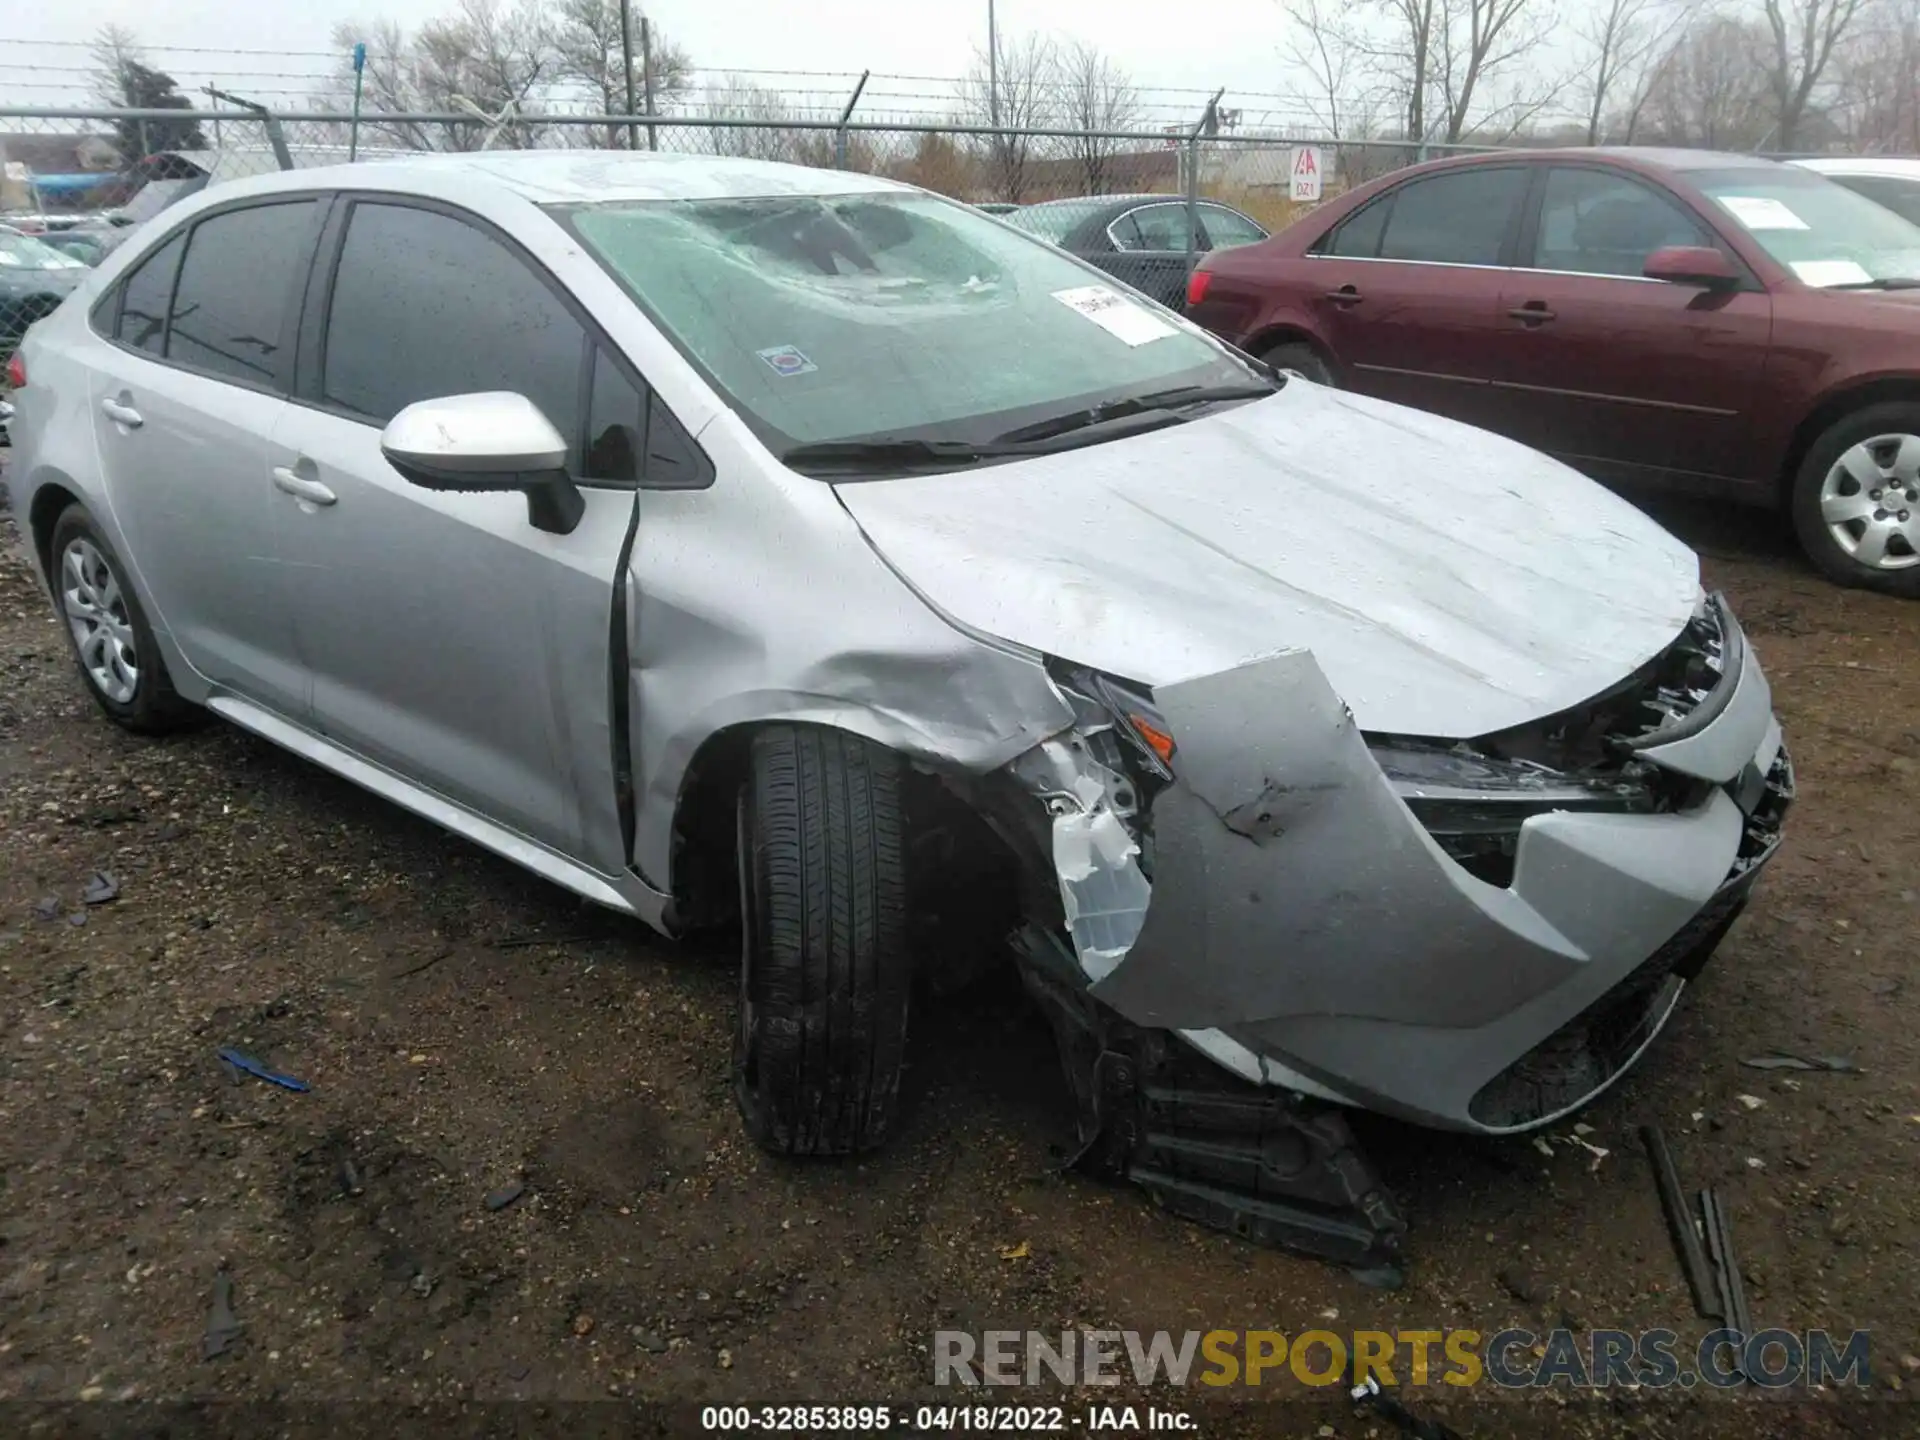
{"x":107,"y":631}
{"x":1856,"y":500}
{"x":1305,"y":359}
{"x":825,"y":967}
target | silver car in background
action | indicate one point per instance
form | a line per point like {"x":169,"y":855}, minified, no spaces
{"x":725,"y":540}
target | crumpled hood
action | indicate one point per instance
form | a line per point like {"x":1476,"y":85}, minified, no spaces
{"x":1448,"y":582}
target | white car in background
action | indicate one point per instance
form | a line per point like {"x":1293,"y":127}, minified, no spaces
{"x":1893,"y":182}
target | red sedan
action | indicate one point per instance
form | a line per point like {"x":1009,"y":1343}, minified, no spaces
{"x":1709,"y":323}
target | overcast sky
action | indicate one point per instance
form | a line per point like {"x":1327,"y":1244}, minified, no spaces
{"x":1235,"y":43}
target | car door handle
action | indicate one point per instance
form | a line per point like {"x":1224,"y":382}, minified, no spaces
{"x":121,"y":414}
{"x":1533,"y":313}
{"x":1345,"y":295}
{"x":301,"y":488}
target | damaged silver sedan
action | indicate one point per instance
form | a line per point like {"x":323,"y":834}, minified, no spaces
{"x":732,"y":542}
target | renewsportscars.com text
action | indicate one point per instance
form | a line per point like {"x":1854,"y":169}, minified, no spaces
{"x":1507,"y":1359}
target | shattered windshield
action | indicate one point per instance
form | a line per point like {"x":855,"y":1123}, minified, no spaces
{"x":837,"y":318}
{"x":1826,"y":234}
{"x":24,"y":252}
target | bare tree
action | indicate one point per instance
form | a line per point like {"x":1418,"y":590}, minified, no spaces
{"x":1327,"y":46}
{"x":1478,"y":44}
{"x":1804,"y":33}
{"x":1021,"y":96}
{"x":1095,"y":94}
{"x":489,"y":56}
{"x":1878,"y":70}
{"x":587,"y":45}
{"x":1621,"y":42}
{"x":736,"y":99}
{"x":1711,"y":88}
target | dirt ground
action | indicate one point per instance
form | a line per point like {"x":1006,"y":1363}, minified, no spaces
{"x":464,"y":1027}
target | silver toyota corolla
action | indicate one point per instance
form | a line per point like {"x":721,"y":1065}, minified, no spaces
{"x":718,"y":538}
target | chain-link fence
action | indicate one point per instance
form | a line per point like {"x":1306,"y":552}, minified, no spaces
{"x":74,"y":184}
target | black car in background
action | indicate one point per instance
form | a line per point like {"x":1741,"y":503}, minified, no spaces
{"x":1141,"y":239}
{"x":34,"y":279}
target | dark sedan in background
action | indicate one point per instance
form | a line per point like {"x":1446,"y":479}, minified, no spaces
{"x":1714,"y":323}
{"x":1141,"y":239}
{"x":34,"y":279}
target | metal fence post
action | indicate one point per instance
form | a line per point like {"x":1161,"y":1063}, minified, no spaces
{"x":1209,"y":119}
{"x":840,"y":134}
{"x":359,"y":74}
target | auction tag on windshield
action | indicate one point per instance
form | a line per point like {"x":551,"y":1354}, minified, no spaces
{"x":1115,"y":313}
{"x":1762,"y":212}
{"x":787,"y":360}
{"x":1830,"y":272}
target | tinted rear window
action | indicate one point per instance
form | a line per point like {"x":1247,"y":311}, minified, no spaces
{"x":1460,"y":218}
{"x":236,"y":289}
{"x":143,"y":308}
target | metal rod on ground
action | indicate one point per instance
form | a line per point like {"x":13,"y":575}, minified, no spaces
{"x":840,"y":135}
{"x":626,"y":64}
{"x":646,"y":79}
{"x":359,"y":74}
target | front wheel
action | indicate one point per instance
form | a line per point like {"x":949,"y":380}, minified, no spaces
{"x":1856,"y":500}
{"x":825,"y":969}
{"x":1303,"y":359}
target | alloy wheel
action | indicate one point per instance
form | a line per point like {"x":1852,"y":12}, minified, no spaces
{"x":96,"y":611}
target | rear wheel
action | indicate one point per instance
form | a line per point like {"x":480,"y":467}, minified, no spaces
{"x":1856,"y":500}
{"x":825,"y":966}
{"x":112,"y":644}
{"x":1304,"y":358}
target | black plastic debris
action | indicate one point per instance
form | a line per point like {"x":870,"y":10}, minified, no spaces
{"x":1680,"y":1228}
{"x":236,"y":1060}
{"x":349,"y":1177}
{"x":222,"y":1327}
{"x":505,"y":1195}
{"x":1371,"y":1398}
{"x":1839,"y":1064}
{"x":101,"y":889}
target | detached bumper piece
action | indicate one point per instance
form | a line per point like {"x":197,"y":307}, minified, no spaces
{"x":1263,"y":1163}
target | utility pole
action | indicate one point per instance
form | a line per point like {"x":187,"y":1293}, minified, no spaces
{"x":626,"y":61}
{"x":646,"y":76}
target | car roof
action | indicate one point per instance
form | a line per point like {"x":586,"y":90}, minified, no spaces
{"x":547,"y":177}
{"x":1641,"y":157}
{"x":1891,"y":166}
{"x":1098,"y":201}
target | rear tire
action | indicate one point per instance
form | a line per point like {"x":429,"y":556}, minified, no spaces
{"x":1835,"y":504}
{"x":825,"y":967}
{"x":1304,"y":358}
{"x":118,"y":658}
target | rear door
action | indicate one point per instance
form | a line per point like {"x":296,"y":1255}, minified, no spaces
{"x":187,"y":386}
{"x":1150,"y":250}
{"x":450,"y":641}
{"x":1627,"y":377}
{"x":1409,"y":288}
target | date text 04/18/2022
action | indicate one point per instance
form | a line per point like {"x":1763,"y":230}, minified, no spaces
{"x":943,"y":1419}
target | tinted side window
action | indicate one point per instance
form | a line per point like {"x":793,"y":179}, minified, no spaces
{"x":236,"y":288}
{"x":674,"y":462}
{"x":143,"y":305}
{"x":426,"y":306}
{"x":1359,"y":237}
{"x":1162,"y":227}
{"x":1596,"y":223}
{"x":616,"y":426}
{"x":1457,"y":219}
{"x":1229,"y":227}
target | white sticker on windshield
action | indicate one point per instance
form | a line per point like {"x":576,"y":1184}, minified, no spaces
{"x":1115,"y":314}
{"x":787,"y":360}
{"x":1830,"y":272}
{"x":1762,"y":212}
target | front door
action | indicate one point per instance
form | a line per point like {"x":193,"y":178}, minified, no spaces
{"x":1408,"y":289}
{"x":1626,"y":377}
{"x":448,"y":639}
{"x":184,"y":398}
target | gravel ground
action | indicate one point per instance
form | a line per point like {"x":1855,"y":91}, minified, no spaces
{"x":465,"y":1028}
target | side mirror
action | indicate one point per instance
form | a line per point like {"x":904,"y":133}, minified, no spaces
{"x":1700,"y":265}
{"x":493,"y":441}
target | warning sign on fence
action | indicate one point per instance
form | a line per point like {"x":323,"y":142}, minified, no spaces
{"x":1306,"y":174}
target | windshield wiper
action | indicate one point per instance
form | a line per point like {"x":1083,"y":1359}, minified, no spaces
{"x":1888,"y":282}
{"x":1177,"y":398}
{"x":893,"y":452}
